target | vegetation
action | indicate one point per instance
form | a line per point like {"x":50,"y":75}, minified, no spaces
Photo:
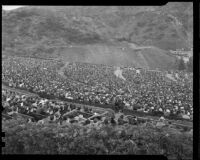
{"x":88,"y":25}
{"x":72,"y":139}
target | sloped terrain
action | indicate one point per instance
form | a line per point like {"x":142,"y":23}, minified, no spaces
{"x":150,"y":58}
{"x":101,"y":31}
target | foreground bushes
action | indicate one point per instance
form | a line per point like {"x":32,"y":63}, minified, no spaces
{"x":23,"y":138}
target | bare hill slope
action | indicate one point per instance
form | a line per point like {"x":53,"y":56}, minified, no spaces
{"x":150,"y":58}
{"x":100,"y":34}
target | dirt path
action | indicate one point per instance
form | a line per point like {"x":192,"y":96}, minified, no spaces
{"x":169,"y":76}
{"x":135,"y":47}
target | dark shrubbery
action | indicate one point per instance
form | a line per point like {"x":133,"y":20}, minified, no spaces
{"x":73,"y":139}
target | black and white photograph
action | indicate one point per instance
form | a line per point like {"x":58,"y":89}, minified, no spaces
{"x":98,"y":80}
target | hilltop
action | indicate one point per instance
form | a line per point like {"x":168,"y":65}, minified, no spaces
{"x":103,"y":34}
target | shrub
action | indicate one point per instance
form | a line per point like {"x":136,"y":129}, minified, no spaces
{"x":74,"y":139}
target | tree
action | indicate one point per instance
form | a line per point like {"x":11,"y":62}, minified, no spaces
{"x":181,"y":65}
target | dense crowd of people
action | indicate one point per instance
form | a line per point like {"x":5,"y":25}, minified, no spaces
{"x":40,"y":110}
{"x":142,"y":90}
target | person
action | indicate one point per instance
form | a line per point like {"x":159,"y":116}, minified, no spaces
{"x":87,"y":122}
{"x":51,"y":118}
{"x":161,"y":122}
{"x":29,"y":120}
{"x":121,"y":120}
{"x":40,"y":121}
{"x":40,"y":110}
{"x":73,"y":120}
{"x":106,"y":122}
{"x":113,"y":122}
{"x":125,"y":119}
{"x":95,"y":120}
{"x":9,"y":111}
{"x":161,"y":119}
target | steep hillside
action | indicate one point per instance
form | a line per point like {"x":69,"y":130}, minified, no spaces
{"x":143,"y":25}
{"x":43,"y":31}
{"x":150,"y":58}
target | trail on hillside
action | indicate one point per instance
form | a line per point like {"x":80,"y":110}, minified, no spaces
{"x":169,"y":76}
{"x":134,"y":46}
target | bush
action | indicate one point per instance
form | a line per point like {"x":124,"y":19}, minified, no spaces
{"x":74,"y":139}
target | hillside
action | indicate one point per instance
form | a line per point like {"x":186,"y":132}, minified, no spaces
{"x":101,"y":32}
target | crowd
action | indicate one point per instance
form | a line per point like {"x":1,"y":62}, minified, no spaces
{"x":42,"y":111}
{"x":142,"y":91}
